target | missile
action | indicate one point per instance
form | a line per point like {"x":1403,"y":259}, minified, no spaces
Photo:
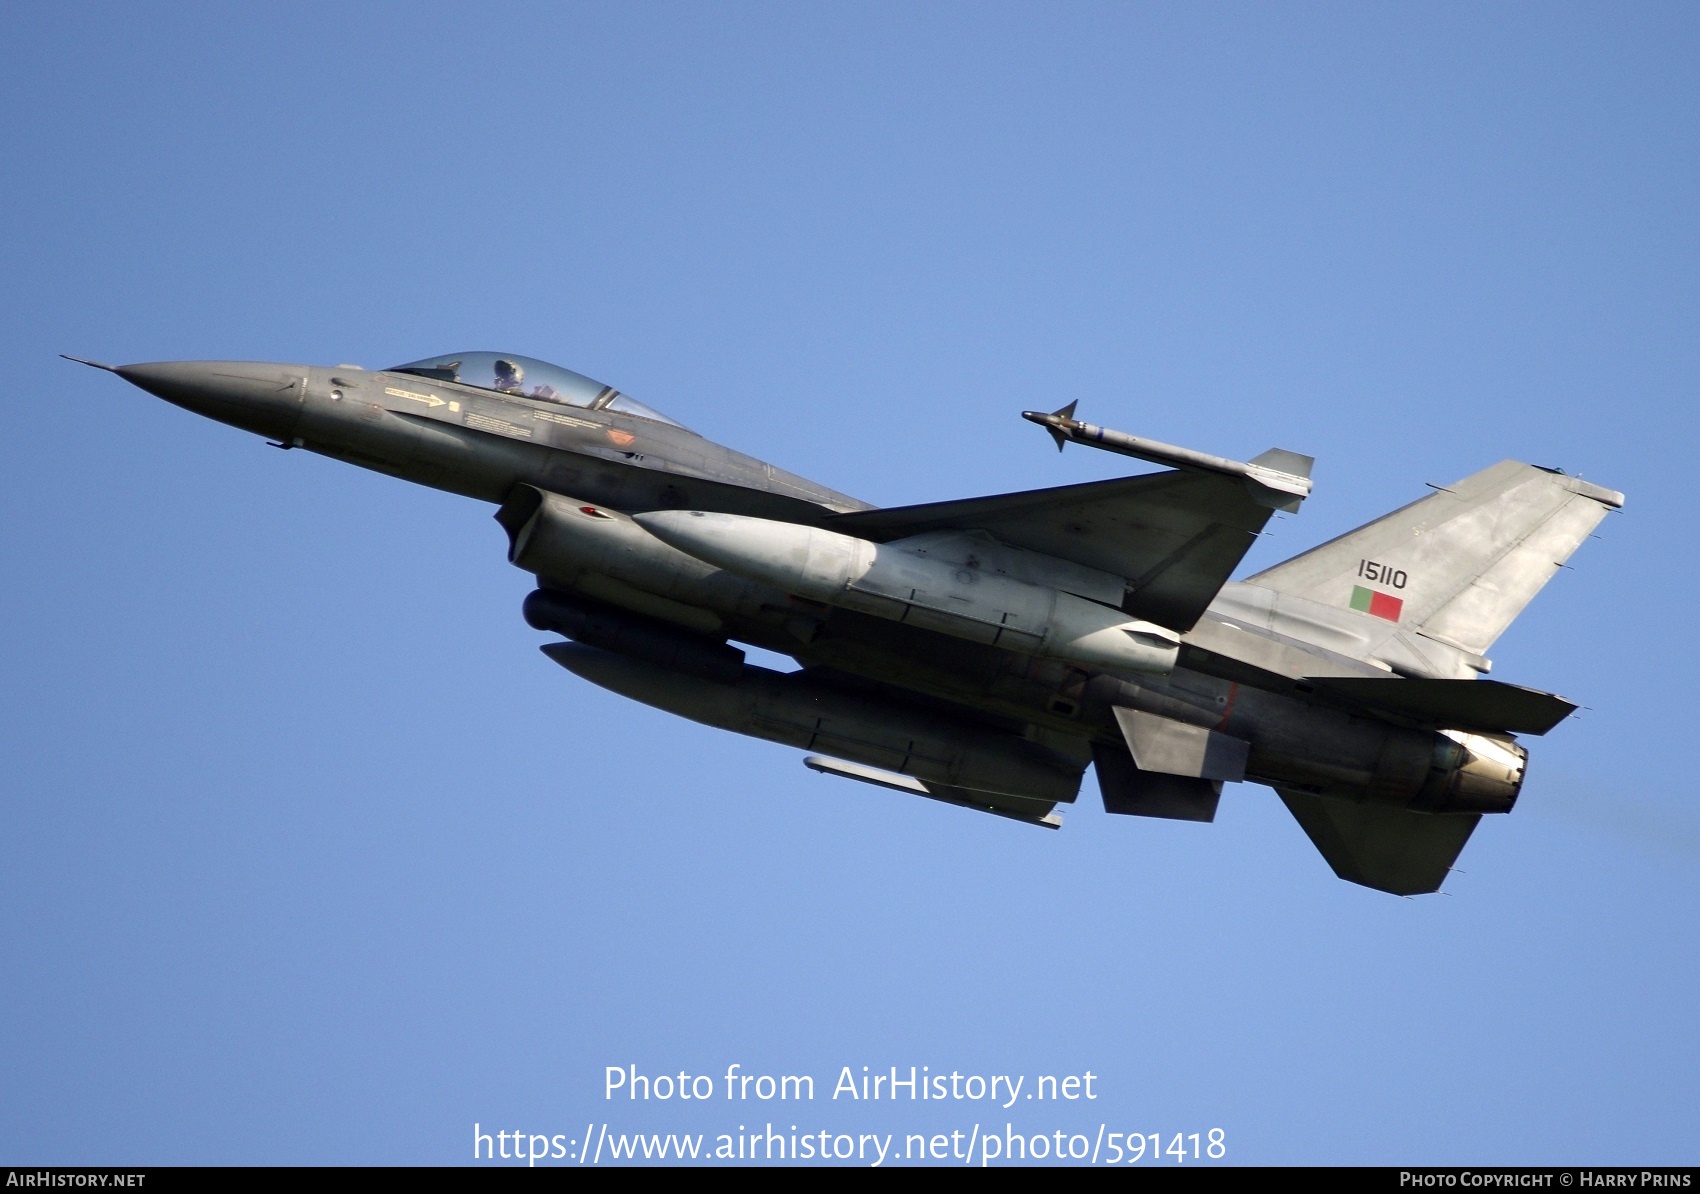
{"x":888,"y":582}
{"x":1277,"y":478}
{"x":799,"y":710}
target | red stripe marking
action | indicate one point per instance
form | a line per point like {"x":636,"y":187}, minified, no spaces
{"x":1383,"y":605}
{"x":1228,"y":709}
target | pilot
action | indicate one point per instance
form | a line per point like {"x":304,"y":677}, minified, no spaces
{"x":510,"y":377}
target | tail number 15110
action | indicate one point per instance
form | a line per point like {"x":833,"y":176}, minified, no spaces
{"x":1386,"y":574}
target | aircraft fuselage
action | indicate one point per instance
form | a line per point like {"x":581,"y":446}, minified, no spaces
{"x":906,"y":667}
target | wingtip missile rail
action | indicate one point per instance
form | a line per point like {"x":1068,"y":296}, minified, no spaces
{"x":1277,"y":478}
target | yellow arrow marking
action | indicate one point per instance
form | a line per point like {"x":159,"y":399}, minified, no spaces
{"x":427,"y":399}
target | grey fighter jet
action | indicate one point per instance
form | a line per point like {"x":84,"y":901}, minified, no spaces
{"x":986,"y":651}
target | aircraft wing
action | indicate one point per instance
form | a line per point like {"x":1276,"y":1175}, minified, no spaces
{"x":1174,"y":536}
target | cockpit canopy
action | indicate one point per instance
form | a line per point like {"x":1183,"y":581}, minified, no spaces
{"x":527,"y":377}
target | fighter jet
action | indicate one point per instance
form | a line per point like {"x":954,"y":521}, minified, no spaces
{"x":985,"y":652}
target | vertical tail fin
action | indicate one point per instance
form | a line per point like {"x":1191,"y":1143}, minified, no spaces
{"x":1460,"y":564}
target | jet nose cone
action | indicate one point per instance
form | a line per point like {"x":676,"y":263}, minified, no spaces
{"x":262,"y":398}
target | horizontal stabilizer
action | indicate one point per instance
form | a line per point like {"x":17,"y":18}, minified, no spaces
{"x":1131,"y":792}
{"x":1017,"y":808}
{"x":1379,"y":846}
{"x":1456,"y":704}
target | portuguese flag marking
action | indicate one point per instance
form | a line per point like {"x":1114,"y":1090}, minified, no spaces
{"x":1380,"y":605}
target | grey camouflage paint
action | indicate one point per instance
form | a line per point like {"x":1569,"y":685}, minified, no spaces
{"x":1359,"y":721}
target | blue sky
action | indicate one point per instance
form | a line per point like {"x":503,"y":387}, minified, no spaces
{"x":311,"y":856}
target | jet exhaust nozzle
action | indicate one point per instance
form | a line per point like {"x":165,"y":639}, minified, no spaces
{"x":1473,"y":773}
